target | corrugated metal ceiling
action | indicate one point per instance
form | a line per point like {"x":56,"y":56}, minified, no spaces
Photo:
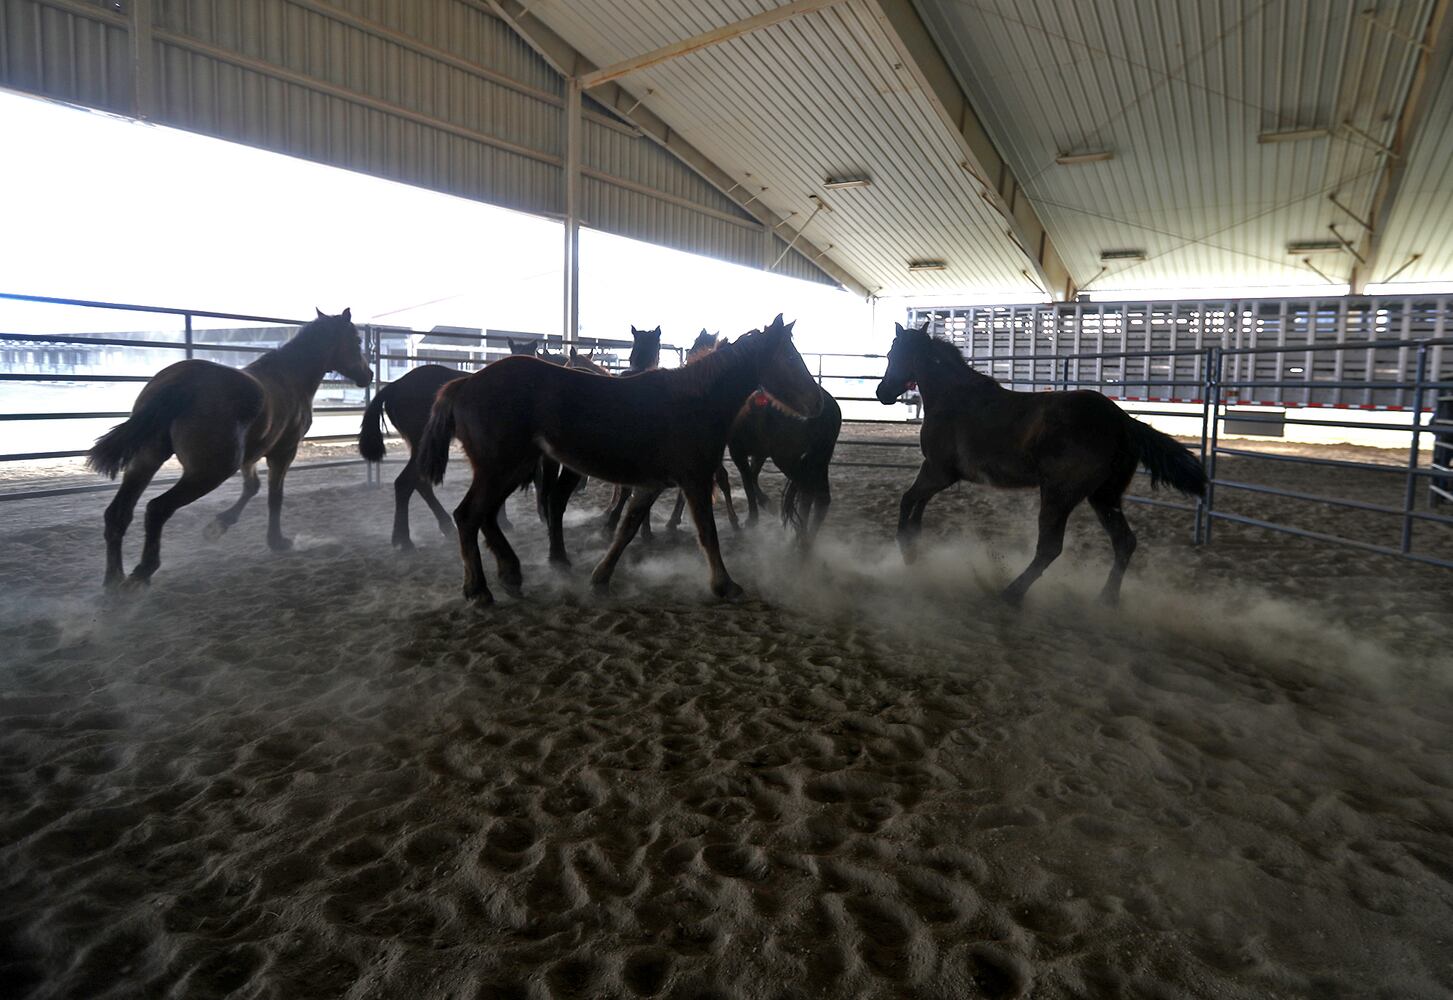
{"x":785,"y":107}
{"x":1180,"y":91}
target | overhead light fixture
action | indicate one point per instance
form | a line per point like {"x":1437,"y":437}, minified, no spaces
{"x":1315,"y":246}
{"x":927,"y":265}
{"x":1070,"y":159}
{"x":1122,"y":255}
{"x":836,"y":183}
{"x":1294,"y":135}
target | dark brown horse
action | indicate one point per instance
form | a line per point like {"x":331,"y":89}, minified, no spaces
{"x":655,"y":429}
{"x":801,"y":449}
{"x":1071,"y":446}
{"x":407,"y":401}
{"x":216,"y":420}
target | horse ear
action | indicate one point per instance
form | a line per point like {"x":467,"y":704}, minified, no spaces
{"x":318,"y":311}
{"x":926,"y":324}
{"x":634,"y":331}
{"x":790,"y":326}
{"x":898,"y":330}
{"x":348,"y":313}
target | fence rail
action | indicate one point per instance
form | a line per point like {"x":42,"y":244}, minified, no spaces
{"x":1223,"y":370}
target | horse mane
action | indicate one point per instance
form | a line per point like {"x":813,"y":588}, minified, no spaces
{"x":696,"y":378}
{"x":947,"y":351}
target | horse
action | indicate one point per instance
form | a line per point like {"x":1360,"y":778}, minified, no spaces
{"x":801,"y":449}
{"x":584,"y":363}
{"x":1071,"y":446}
{"x":662,"y":427}
{"x":704,"y":344}
{"x":216,"y":420}
{"x":407,"y":401}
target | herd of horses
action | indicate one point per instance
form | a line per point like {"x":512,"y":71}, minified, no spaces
{"x":549,"y":422}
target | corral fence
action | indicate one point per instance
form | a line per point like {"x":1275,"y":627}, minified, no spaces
{"x":1250,"y":367}
{"x":1243,"y":367}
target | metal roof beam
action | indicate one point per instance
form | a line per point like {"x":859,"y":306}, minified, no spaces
{"x":570,"y":63}
{"x":1433,"y":63}
{"x":706,"y":39}
{"x":999,"y":187}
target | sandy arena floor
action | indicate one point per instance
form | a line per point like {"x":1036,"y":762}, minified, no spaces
{"x":320,"y":774}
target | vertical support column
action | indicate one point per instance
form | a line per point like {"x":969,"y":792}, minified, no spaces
{"x":571,"y":325}
{"x":1213,"y":393}
{"x":373,"y":344}
{"x":187,"y":336}
{"x":143,"y":65}
{"x":1410,"y":497}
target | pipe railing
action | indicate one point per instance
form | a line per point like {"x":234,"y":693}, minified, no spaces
{"x":1216,"y":395}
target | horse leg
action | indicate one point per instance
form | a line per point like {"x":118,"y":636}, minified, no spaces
{"x":1106,"y":504}
{"x":698,"y":495}
{"x":446,"y":526}
{"x":931,"y":480}
{"x":468,"y":517}
{"x":724,"y":483}
{"x":757,"y":462}
{"x":194,"y":484}
{"x":277,"y":470}
{"x":560,"y":493}
{"x":546,"y":473}
{"x":492,"y":498}
{"x":404,"y":486}
{"x":226,"y":519}
{"x":636,"y":511}
{"x":743,"y":462}
{"x":812,"y":518}
{"x":674,"y":521}
{"x":139,"y":472}
{"x":618,"y":499}
{"x":1054,"y":511}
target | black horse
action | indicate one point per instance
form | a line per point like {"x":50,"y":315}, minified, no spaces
{"x":655,"y":429}
{"x":1071,"y":446}
{"x":801,"y":449}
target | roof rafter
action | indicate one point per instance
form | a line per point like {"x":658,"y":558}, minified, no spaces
{"x":567,"y":60}
{"x":999,"y":187}
{"x":1433,"y":62}
{"x":705,"y":39}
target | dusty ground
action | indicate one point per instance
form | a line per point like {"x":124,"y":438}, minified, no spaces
{"x":319,"y":774}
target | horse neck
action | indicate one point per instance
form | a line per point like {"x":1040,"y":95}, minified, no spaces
{"x":721,"y":382}
{"x":938,"y":379}
{"x":298,"y":364}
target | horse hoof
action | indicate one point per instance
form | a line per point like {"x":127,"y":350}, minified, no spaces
{"x":515,"y":589}
{"x":478,"y":595}
{"x":1010,"y":596}
{"x":559,"y":562}
{"x":731,"y":592}
{"x":404,"y":544}
{"x":280,"y":544}
{"x":447,"y":529}
{"x":214,"y":530}
{"x":1109,"y":599}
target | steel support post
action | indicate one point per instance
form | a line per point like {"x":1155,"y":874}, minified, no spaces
{"x":1213,"y":396}
{"x":571,"y":325}
{"x":1206,"y":361}
{"x":1410,"y":496}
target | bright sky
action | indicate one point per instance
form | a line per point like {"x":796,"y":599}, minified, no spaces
{"x":105,"y":208}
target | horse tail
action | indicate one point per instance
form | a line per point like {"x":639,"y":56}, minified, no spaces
{"x":432,"y":452}
{"x":1167,"y":459}
{"x":150,"y":421}
{"x":370,"y":435}
{"x":812,"y":469}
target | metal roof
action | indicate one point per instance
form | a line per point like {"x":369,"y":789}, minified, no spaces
{"x":713,"y":125}
{"x":1180,"y":92}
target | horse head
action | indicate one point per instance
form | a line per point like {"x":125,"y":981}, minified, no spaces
{"x":645,"y":349}
{"x":784,"y":374}
{"x":523,"y":348}
{"x":341,"y":348}
{"x":905,"y":359}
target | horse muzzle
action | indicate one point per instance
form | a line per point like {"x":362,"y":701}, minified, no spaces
{"x":363,"y":378}
{"x":887,"y":395}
